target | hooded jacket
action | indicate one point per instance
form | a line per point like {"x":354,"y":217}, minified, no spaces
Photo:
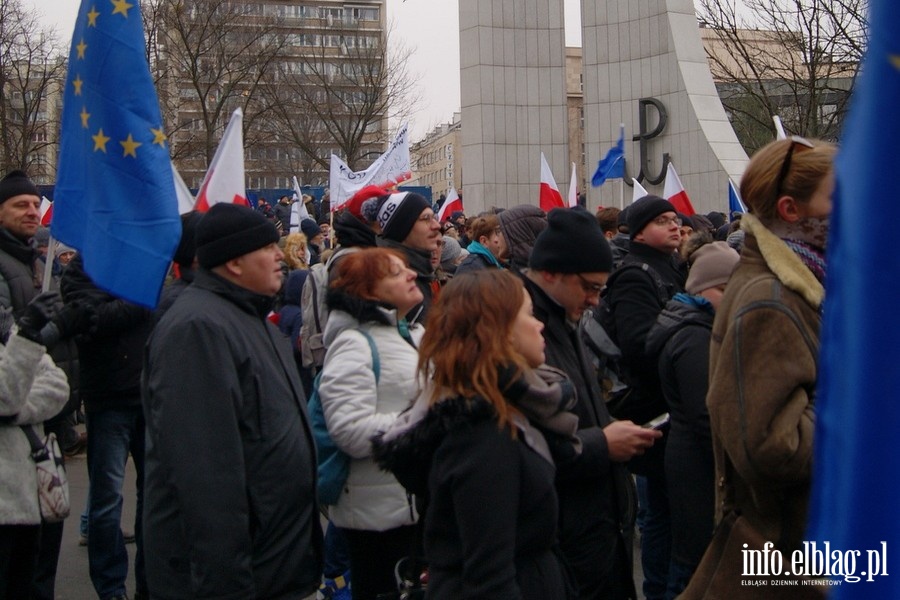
{"x":520,"y":226}
{"x":761,"y":400}
{"x":230,"y":505}
{"x":680,"y":338}
{"x":357,"y":406}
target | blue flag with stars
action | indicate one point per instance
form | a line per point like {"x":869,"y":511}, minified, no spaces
{"x":856,"y":465}
{"x":115,"y":196}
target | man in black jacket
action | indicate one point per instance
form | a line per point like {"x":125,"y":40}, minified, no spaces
{"x":637,"y":293}
{"x":569,"y":266}
{"x":231,"y":506}
{"x":110,"y":367}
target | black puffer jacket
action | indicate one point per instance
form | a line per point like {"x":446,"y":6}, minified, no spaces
{"x":490,"y":528}
{"x":681,"y":338}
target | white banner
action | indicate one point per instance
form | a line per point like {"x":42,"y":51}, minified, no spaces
{"x":388,"y":170}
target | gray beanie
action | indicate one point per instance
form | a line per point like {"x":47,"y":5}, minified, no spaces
{"x":452,"y":250}
{"x":711,"y":266}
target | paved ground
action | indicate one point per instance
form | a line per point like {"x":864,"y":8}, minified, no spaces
{"x":73,"y":581}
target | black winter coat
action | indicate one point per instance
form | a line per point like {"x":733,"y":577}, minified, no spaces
{"x":596,"y":496}
{"x":634,"y":300}
{"x":110,"y":357}
{"x":491,"y":522}
{"x":681,"y":338}
{"x":230,"y":476}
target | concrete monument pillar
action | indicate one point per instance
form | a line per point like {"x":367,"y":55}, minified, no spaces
{"x":513,"y":97}
{"x":646,"y":56}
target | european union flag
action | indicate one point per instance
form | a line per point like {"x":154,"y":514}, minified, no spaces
{"x":613,"y":164}
{"x":856,"y":477}
{"x":115,"y":196}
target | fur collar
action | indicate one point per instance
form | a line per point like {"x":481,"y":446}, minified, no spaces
{"x":784,"y":263}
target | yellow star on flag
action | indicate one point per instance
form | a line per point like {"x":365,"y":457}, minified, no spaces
{"x":100,"y":141}
{"x":129,"y":145}
{"x":158,"y":136}
{"x":85,"y":115}
{"x":81,"y":47}
{"x":92,"y":17}
{"x":77,"y":83}
{"x":122,"y":7}
{"x":895,"y":60}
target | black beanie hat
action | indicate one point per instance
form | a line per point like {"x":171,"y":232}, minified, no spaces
{"x":187,"y":247}
{"x":231,"y":230}
{"x":310,"y":228}
{"x":16,"y":183}
{"x":572,"y":243}
{"x":644,"y":210}
{"x":397,"y":214}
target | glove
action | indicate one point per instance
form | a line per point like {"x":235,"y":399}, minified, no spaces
{"x":76,"y":319}
{"x":38,"y":313}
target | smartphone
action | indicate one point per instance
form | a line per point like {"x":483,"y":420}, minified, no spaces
{"x":658,"y":422}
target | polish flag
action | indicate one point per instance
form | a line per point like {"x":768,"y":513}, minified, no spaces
{"x":183,"y":193}
{"x":639,"y":191}
{"x":674,"y":192}
{"x":451,"y":204}
{"x":46,"y":211}
{"x":573,"y":191}
{"x":550,"y":196}
{"x":224,"y":181}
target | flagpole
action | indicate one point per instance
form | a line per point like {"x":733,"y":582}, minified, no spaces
{"x":48,"y":264}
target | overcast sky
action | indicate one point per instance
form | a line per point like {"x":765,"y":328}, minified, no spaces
{"x":429,"y":27}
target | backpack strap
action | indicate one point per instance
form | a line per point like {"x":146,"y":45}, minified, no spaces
{"x":376,"y":361}
{"x":315,"y":303}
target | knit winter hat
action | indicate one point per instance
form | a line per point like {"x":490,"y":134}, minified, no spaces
{"x":310,"y":228}
{"x":452,"y":250}
{"x":227,"y":231}
{"x":711,"y":266}
{"x":572,"y":243}
{"x":644,"y":210}
{"x":16,"y":183}
{"x":397,"y":214}
{"x":356,"y":201}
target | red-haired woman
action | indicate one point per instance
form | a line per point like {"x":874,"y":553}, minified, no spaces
{"x":371,"y":291}
{"x":473,"y":448}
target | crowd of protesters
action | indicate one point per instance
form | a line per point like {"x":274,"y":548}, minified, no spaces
{"x":515,"y":396}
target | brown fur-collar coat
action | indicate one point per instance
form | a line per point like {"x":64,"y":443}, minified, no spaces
{"x":763,"y":370}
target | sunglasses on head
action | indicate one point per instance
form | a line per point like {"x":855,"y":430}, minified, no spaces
{"x":796,"y":140}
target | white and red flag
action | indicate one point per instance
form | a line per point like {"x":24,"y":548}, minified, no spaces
{"x":186,"y":199}
{"x":675,"y":194}
{"x":46,"y":211}
{"x":224,"y":180}
{"x":573,"y":189}
{"x":550,"y":197}
{"x":452,"y":204}
{"x":639,"y":191}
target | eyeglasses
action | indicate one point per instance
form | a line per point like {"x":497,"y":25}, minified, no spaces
{"x":786,"y":165}
{"x":587,"y":286}
{"x":666,"y":221}
{"x":428,"y":218}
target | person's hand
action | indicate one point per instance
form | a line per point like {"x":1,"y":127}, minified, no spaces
{"x":626,"y":440}
{"x":38,"y":313}
{"x":76,"y":319}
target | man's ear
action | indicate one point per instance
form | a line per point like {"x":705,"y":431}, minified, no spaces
{"x":549,"y":277}
{"x":233,"y":267}
{"x":787,"y":209}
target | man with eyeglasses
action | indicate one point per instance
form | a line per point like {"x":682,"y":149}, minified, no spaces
{"x":408,"y":224}
{"x":636,"y":293}
{"x":569,"y":265}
